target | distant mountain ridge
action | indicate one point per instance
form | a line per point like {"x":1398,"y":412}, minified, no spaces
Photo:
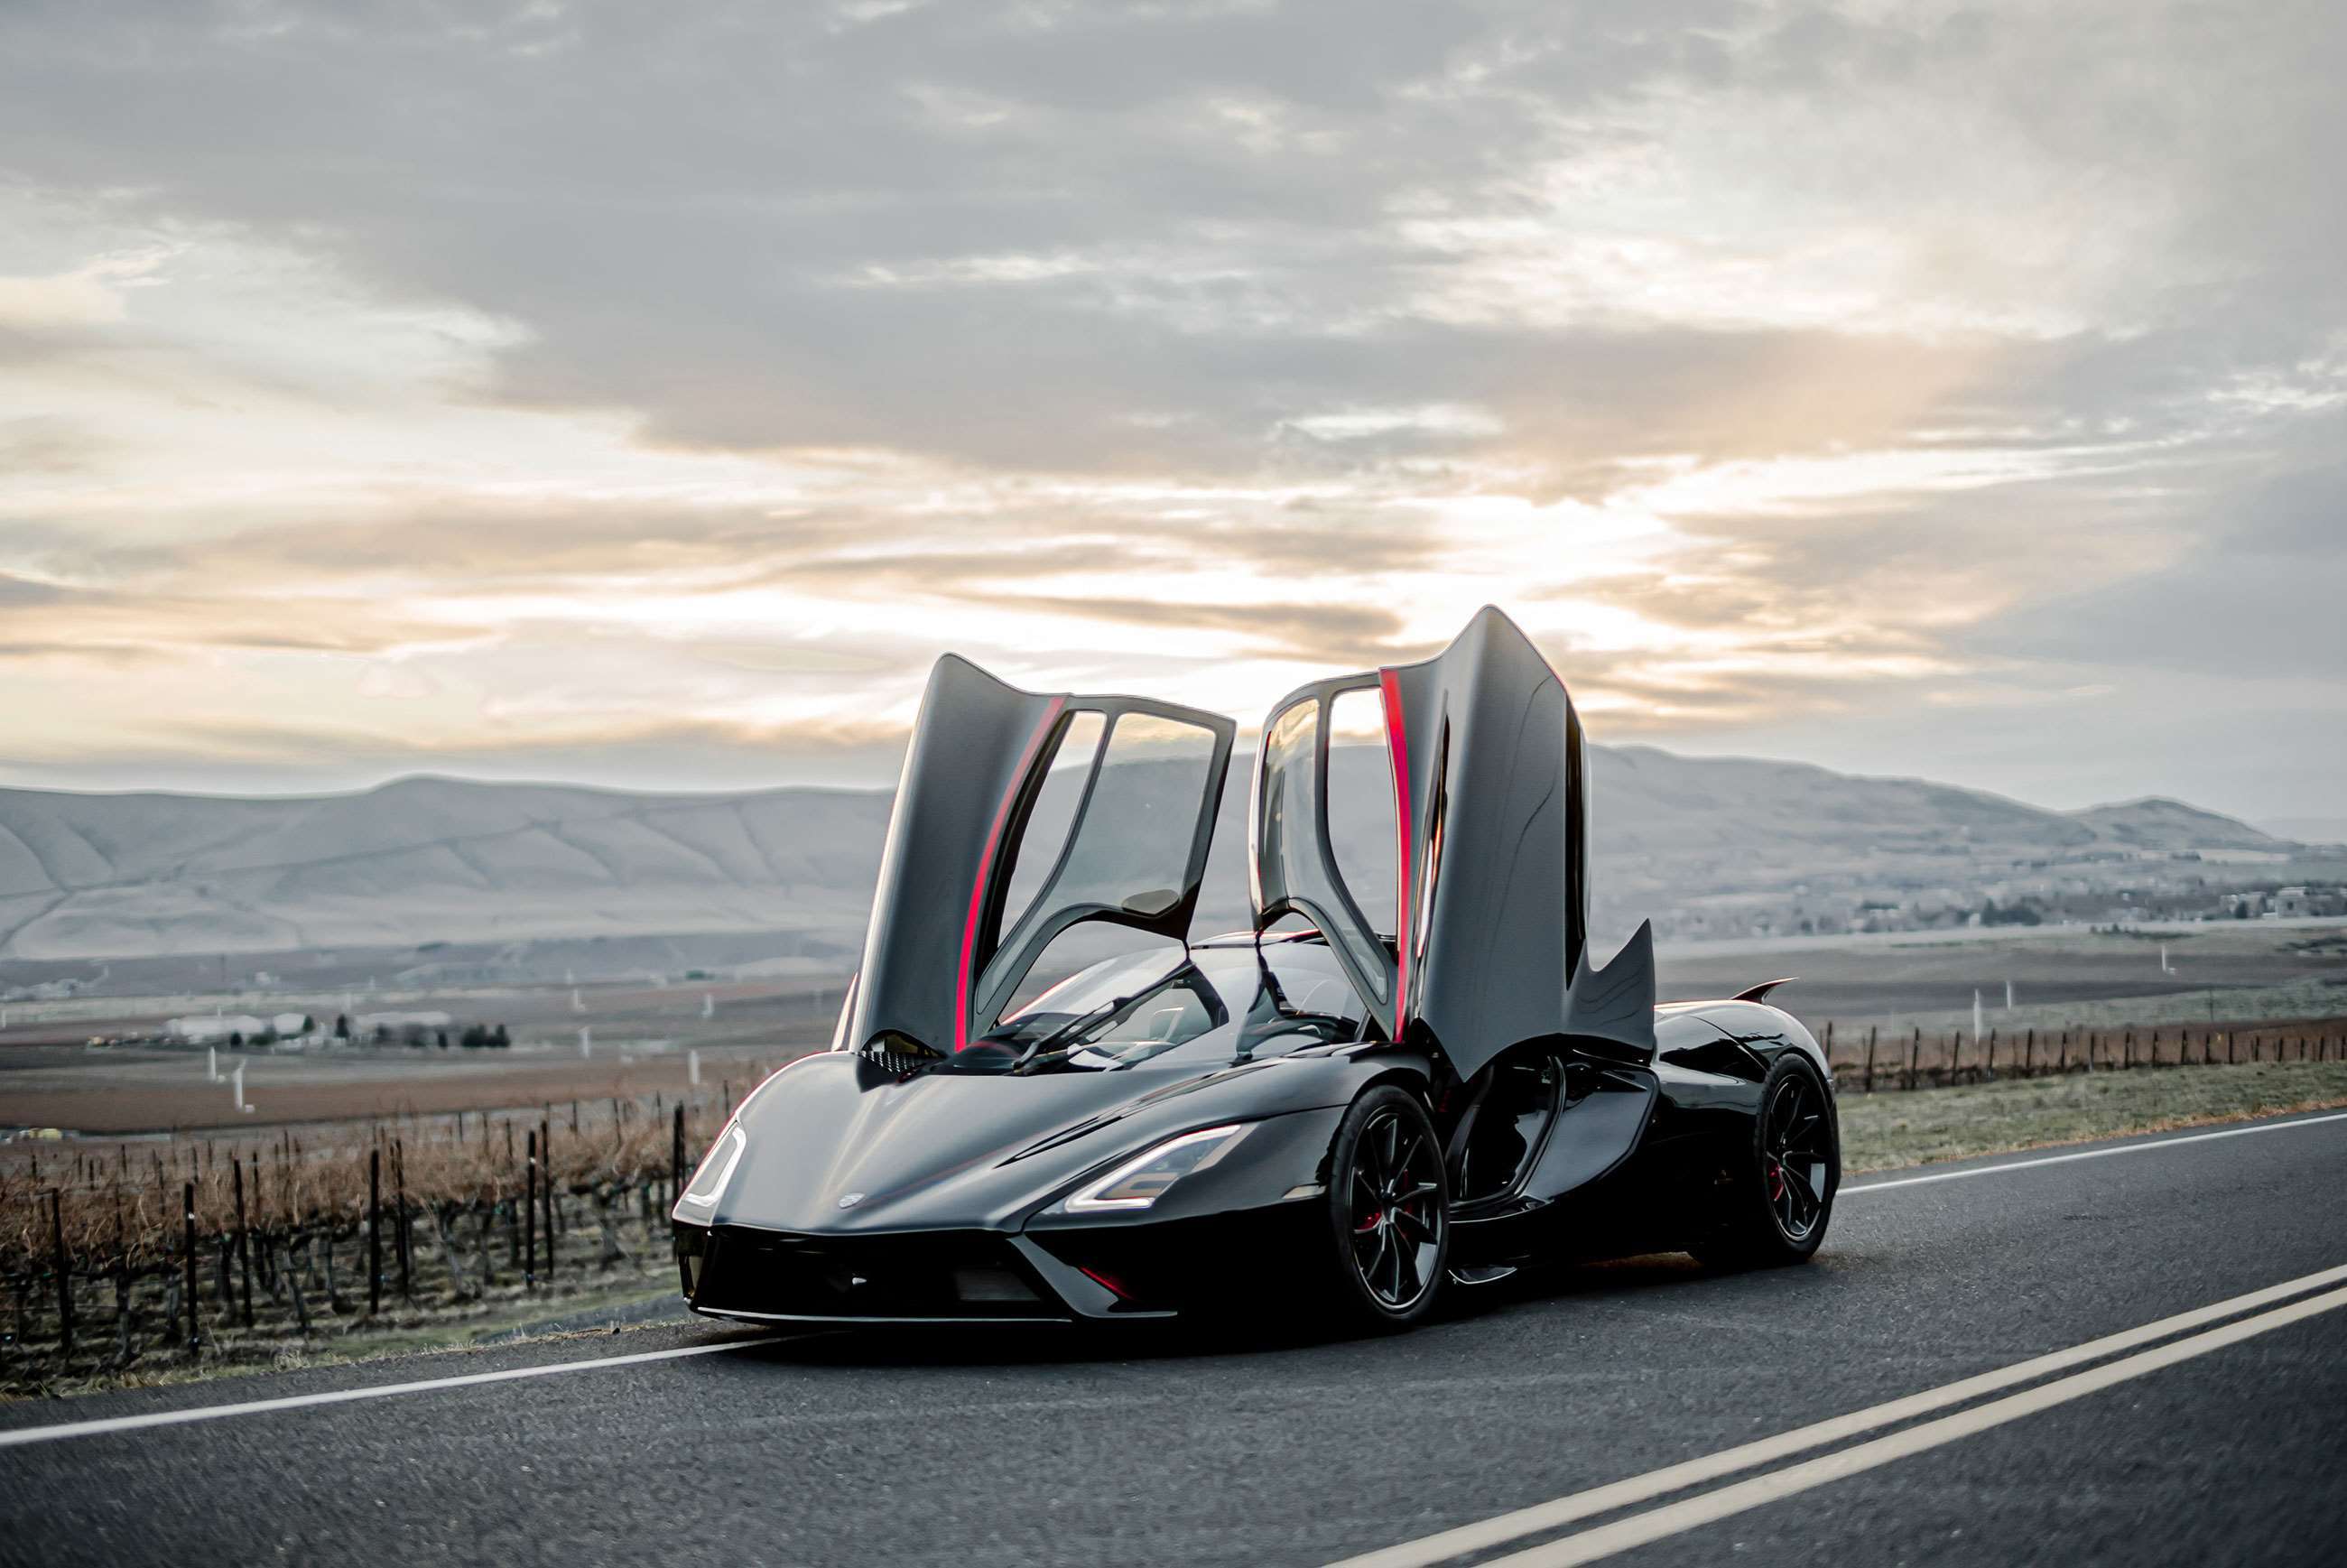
{"x":1699,"y":842}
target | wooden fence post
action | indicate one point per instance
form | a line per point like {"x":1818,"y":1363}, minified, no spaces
{"x":530,"y":1221}
{"x":676,"y":1155}
{"x":188,"y":1257}
{"x":1914,"y":1050}
{"x":65,"y":1276}
{"x":2028,"y":1052}
{"x":374,"y":1231}
{"x":1870,"y":1058}
{"x":546,"y":1188}
{"x":121,"y":1271}
{"x":400,"y":1237}
{"x":1988,"y":1056}
{"x":244,"y":1245}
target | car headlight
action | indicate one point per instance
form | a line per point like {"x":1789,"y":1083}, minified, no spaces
{"x":1142,"y":1180}
{"x":715,"y":1171}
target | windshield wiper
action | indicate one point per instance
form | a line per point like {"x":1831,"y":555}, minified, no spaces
{"x":1108,"y":1009}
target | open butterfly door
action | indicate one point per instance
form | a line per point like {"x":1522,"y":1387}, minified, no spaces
{"x":1020,"y":816}
{"x":1490,"y":947}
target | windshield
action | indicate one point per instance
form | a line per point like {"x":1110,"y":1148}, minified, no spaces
{"x":1217,"y":1003}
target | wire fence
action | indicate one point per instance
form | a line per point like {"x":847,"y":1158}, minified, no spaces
{"x":240,"y":1249}
{"x":1886,"y":1061}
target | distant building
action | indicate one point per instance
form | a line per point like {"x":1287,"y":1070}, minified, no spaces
{"x":212,"y":1028}
{"x":2300,"y":903}
{"x":368,"y":1022}
{"x":44,"y":990}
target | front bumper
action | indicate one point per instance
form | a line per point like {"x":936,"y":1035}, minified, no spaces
{"x":1097,"y":1274}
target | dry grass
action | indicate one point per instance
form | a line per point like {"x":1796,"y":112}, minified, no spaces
{"x":1888,"y":1131}
{"x":439,"y":1332}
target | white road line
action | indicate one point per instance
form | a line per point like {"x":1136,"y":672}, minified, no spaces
{"x":23,"y":1435}
{"x":1641,"y":1529}
{"x":1484,"y":1534}
{"x":2093,"y":1153}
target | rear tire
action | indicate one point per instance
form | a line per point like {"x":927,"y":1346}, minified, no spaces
{"x":1389,"y":1213}
{"x":1780,"y":1190}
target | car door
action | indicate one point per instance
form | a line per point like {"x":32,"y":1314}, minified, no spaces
{"x":1020,"y":816}
{"x":1491,"y":817}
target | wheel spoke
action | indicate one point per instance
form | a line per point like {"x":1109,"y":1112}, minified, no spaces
{"x":1416,"y":1225}
{"x":1404,"y":1274}
{"x":1406,"y":1154}
{"x":1376,"y":1258}
{"x":1804,"y":1204}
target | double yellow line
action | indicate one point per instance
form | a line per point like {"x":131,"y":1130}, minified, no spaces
{"x":1656,"y":1523}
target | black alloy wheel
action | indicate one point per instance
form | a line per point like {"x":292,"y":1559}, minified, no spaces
{"x":1796,"y":1154}
{"x":1778,"y":1198}
{"x":1390,"y":1205}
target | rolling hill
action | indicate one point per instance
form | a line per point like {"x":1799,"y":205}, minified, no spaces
{"x":1708,"y":845}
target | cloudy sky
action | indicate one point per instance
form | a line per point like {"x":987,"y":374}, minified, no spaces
{"x":645,"y":395}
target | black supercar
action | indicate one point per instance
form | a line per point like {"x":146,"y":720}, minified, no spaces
{"x":1316,"y":1105}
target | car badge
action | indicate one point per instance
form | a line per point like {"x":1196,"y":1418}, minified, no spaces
{"x":851,"y":1200}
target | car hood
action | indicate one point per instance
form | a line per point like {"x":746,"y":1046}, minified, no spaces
{"x":838,"y":1144}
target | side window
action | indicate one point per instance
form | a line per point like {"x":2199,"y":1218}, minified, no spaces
{"x":1361,"y":830}
{"x":1105,"y":850}
{"x":1054,"y":811}
{"x":1132,"y":848}
{"x":1288,"y":861}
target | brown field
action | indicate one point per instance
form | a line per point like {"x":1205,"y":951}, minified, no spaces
{"x":642,"y":1039}
{"x":2061,"y":977}
{"x":171,"y":1095}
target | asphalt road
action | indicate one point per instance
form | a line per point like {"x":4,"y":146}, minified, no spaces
{"x":1026,"y":1447}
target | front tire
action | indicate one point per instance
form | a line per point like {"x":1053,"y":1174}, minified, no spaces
{"x":1388,"y":1212}
{"x":1780,"y":1192}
